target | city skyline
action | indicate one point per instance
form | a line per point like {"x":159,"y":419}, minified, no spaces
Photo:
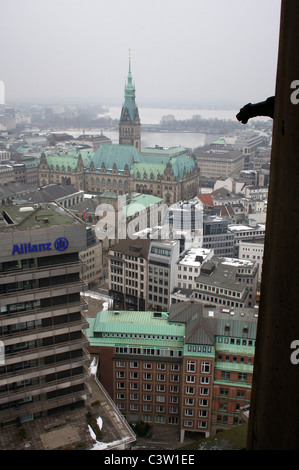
{"x":200,"y":53}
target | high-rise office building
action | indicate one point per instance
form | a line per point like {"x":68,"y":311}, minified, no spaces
{"x":44,"y":363}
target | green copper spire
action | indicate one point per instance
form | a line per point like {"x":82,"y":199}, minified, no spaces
{"x":129,"y":74}
{"x":129,"y":123}
{"x":129,"y":103}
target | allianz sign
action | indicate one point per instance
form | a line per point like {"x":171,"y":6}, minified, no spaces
{"x":60,"y":244}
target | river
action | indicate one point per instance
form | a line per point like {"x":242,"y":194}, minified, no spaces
{"x":171,"y":139}
{"x":153,"y":116}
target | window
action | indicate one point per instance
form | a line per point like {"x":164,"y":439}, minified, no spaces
{"x":242,"y":377}
{"x":160,"y":251}
{"x":134,"y":396}
{"x":173,"y":409}
{"x":133,"y":386}
{"x":205,"y":367}
{"x":189,"y":401}
{"x":202,"y":424}
{"x":225,"y":375}
{"x":161,"y":377}
{"x":147,"y":398}
{"x":160,"y":398}
{"x":190,"y":378}
{"x":204,"y":380}
{"x":188,"y":424}
{"x":133,"y":375}
{"x":203,"y":402}
{"x":191,"y":366}
{"x":160,"y":388}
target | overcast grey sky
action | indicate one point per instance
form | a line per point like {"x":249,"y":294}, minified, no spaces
{"x":183,"y":52}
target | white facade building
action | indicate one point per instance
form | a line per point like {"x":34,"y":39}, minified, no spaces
{"x":253,"y":250}
{"x":189,"y":265}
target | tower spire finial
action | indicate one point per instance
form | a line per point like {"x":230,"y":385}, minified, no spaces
{"x":129,"y":74}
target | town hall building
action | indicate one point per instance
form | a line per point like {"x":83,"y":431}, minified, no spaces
{"x":171,"y":174}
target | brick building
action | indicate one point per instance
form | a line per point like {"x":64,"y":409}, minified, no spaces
{"x":189,"y":369}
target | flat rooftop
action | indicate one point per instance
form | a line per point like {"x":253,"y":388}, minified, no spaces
{"x":194,"y":256}
{"x":220,"y":272}
{"x":23,"y":217}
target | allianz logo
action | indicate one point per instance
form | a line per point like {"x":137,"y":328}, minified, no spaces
{"x":60,"y":244}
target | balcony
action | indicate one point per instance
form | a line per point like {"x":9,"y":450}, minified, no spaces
{"x":42,"y":387}
{"x":30,"y":372}
{"x":41,"y":350}
{"x":44,"y":405}
{"x":41,"y":292}
{"x":20,"y":274}
{"x":39,"y":313}
{"x":40,"y":332}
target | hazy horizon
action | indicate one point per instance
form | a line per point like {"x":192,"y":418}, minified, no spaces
{"x":193,"y":54}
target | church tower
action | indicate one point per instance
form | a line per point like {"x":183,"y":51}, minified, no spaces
{"x":129,"y":123}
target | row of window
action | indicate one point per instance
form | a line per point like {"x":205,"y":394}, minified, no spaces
{"x":155,"y":298}
{"x":149,"y":352}
{"x":108,"y":183}
{"x":216,"y":300}
{"x":242,"y":377}
{"x":149,"y":365}
{"x":218,"y":290}
{"x":235,"y":358}
{"x":237,"y":341}
{"x":190,"y":269}
{"x":141,"y":336}
{"x":148,"y":387}
{"x":160,"y":271}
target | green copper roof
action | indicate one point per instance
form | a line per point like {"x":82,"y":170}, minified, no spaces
{"x":135,"y":328}
{"x":138,"y":203}
{"x":181,"y":163}
{"x":157,"y":166}
{"x":62,"y":160}
{"x":121,"y":155}
{"x":148,"y":168}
